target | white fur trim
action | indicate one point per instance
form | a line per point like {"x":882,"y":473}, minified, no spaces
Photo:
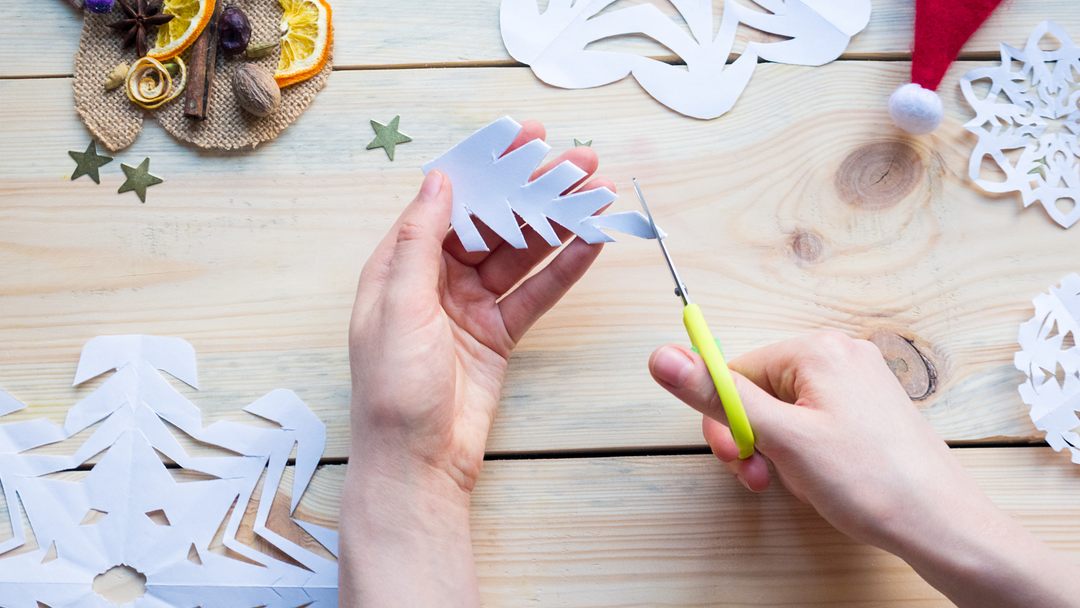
{"x":915,"y":109}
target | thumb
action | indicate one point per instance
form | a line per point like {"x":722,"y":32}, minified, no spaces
{"x":420,"y":234}
{"x":684,"y":374}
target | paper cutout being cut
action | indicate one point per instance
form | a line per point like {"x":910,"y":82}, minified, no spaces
{"x":130,"y":483}
{"x":1015,"y":113}
{"x":493,"y":189}
{"x":553,"y":44}
{"x":1051,"y":360}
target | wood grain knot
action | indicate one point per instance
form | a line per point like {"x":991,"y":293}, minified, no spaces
{"x":807,"y":246}
{"x":911,"y":367}
{"x":878,"y":176}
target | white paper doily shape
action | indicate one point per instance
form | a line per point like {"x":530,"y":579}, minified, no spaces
{"x":555,"y":44}
{"x":130,"y":510}
{"x":1051,"y":360}
{"x":1030,"y":91}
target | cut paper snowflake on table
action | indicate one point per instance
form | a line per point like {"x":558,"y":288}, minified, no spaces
{"x":494,"y":188}
{"x":554,"y":44}
{"x":1051,"y":360}
{"x":1016,"y":113}
{"x":130,"y":484}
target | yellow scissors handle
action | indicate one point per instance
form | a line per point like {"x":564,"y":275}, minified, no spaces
{"x":706,"y":346}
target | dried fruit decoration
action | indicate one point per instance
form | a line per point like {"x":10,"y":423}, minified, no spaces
{"x":138,"y":23}
{"x":306,"y":37}
{"x":234,"y":30}
{"x":149,"y":82}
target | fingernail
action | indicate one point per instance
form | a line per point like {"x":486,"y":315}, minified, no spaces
{"x":672,"y":366}
{"x":432,"y":184}
{"x":742,"y":480}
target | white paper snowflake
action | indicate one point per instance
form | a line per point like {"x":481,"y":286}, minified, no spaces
{"x":130,"y":484}
{"x":1051,"y":360}
{"x":554,"y":44}
{"x":1016,"y":113}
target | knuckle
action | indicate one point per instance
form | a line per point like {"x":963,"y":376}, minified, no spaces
{"x":410,"y":231}
{"x":867,"y":349}
{"x":832,"y":339}
{"x":828,"y":346}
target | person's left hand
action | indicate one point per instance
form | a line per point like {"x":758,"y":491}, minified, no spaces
{"x":432,"y":329}
{"x":433,"y":326}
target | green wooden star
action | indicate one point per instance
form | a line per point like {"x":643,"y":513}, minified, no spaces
{"x":138,"y":179}
{"x":89,"y":162}
{"x":578,"y":142}
{"x":388,"y":137}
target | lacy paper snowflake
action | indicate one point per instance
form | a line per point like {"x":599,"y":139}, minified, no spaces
{"x":1015,"y":114}
{"x":130,"y":484}
{"x":555,"y":44}
{"x":1051,"y":360}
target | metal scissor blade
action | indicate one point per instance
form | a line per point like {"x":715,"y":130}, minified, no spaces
{"x":680,"y":287}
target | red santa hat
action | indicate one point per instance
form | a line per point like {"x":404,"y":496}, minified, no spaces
{"x":941,"y":29}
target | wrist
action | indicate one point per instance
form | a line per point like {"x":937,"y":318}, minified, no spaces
{"x":978,"y":556}
{"x":403,"y":521}
{"x":388,"y":468}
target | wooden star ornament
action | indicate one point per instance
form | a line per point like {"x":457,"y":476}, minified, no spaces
{"x":388,"y":137}
{"x":138,"y":179}
{"x":89,"y":162}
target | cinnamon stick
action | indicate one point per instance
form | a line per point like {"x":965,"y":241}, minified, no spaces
{"x":201,"y":76}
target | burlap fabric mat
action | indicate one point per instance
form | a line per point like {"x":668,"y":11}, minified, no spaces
{"x":115,"y":121}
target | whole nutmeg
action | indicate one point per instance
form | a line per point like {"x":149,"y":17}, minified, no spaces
{"x":256,"y":90}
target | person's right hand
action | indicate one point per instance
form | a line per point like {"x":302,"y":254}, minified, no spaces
{"x":840,"y":430}
{"x":844,"y":436}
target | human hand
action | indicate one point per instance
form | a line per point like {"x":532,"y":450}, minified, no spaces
{"x":431,"y":332}
{"x":433,"y":326}
{"x":844,"y":437}
{"x":840,"y":430}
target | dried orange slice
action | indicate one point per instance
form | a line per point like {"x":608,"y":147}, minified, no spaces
{"x":190,"y":17}
{"x":305,"y":40}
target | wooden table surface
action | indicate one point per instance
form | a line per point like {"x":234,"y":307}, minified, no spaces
{"x":803,"y":208}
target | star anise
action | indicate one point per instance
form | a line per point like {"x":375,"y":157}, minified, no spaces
{"x":138,"y":23}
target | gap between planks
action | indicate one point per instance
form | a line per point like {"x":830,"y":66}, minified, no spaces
{"x":510,"y":63}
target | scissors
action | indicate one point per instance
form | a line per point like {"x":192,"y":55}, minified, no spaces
{"x":709,"y":349}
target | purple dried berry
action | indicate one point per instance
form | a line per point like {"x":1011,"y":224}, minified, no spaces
{"x":99,"y":6}
{"x":234,"y":30}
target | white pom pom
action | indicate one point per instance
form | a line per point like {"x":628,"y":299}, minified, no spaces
{"x":915,"y":109}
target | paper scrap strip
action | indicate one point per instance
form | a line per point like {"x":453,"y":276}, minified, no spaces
{"x":1050,"y":357}
{"x":493,"y":187}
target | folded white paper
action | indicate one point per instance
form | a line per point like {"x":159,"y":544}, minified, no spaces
{"x":553,"y":44}
{"x":493,"y":187}
{"x":1050,"y":358}
{"x":130,"y":482}
{"x":1016,"y":113}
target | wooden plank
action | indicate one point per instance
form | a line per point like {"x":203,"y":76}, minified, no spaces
{"x":679,"y":531}
{"x":40,"y":38}
{"x":253,"y":257}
